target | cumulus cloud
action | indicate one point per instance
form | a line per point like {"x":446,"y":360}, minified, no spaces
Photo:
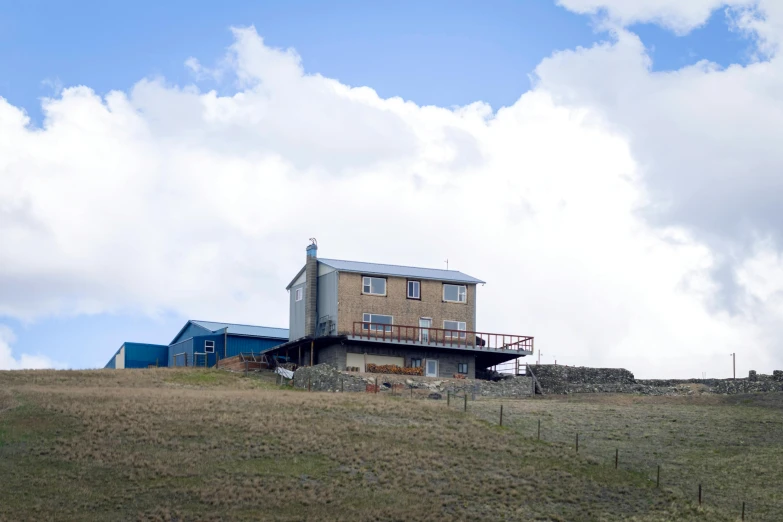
{"x":167,"y":198}
{"x":25,"y":361}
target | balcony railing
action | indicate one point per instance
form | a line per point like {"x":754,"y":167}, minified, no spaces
{"x":441,"y":337}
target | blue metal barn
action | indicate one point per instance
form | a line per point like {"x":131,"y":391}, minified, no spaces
{"x":200,"y":343}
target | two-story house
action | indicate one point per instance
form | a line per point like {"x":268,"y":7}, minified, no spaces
{"x":349,"y":314}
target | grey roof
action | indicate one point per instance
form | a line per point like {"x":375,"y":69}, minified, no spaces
{"x":400,"y":271}
{"x":245,"y":329}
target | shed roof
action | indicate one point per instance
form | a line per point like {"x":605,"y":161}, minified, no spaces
{"x":400,"y":271}
{"x":244,"y":329}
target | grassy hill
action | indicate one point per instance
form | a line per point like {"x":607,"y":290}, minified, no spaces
{"x":166,"y":444}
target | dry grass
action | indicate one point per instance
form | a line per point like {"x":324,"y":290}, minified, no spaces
{"x":732,"y":445}
{"x":166,"y":444}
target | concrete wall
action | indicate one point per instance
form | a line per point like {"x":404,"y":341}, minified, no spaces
{"x":335,"y":356}
{"x":352,"y":304}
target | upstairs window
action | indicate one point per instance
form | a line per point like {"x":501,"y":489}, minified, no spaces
{"x":414,"y":290}
{"x":209,"y":346}
{"x":299,"y":293}
{"x":374,"y":285}
{"x":455,"y":293}
{"x":454,"y":329}
{"x":378,"y":323}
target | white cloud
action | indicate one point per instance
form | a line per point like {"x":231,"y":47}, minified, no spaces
{"x":760,"y":19}
{"x":680,"y":16}
{"x":168,"y":198}
{"x":25,"y":361}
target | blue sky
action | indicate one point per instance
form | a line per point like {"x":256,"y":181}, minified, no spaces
{"x":433,"y":53}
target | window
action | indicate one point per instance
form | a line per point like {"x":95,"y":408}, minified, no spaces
{"x":374,"y":285}
{"x":450,"y":326}
{"x":414,"y":290}
{"x":299,"y":293}
{"x":415,"y":363}
{"x":379,"y":323}
{"x":209,"y":346}
{"x":462,"y":368}
{"x":455,"y":293}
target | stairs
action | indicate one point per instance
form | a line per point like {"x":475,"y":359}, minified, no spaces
{"x":537,"y":390}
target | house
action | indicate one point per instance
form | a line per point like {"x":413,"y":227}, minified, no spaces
{"x":350,"y":314}
{"x":200,"y":343}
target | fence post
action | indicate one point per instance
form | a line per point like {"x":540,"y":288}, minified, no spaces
{"x":448,"y":398}
{"x":658,"y":477}
{"x":616,"y":457}
{"x":539,"y":429}
{"x":376,"y":385}
{"x":308,"y":383}
{"x":342,"y":385}
{"x":577,"y":442}
{"x":501,"y":414}
{"x":743,"y":511}
{"x":466,"y":402}
{"x":700,"y":494}
{"x":411,"y":391}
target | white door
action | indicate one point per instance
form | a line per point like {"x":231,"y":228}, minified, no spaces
{"x":431,"y":368}
{"x":425,"y":323}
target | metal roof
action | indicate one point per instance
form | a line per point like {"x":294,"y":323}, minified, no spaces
{"x":400,"y":271}
{"x":245,"y":329}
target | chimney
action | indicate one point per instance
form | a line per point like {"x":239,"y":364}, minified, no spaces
{"x":311,"y":291}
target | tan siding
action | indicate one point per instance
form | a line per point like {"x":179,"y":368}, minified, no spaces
{"x":352,"y":304}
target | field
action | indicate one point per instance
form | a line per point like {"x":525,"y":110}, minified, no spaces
{"x":165,"y":444}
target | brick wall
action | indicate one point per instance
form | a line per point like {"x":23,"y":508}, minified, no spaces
{"x":352,"y":304}
{"x":335,"y":356}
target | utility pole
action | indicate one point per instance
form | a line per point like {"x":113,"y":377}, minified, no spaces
{"x":447,"y":264}
{"x":539,"y":357}
{"x":734,"y":364}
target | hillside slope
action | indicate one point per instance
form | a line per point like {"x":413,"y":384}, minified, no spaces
{"x":164,"y":444}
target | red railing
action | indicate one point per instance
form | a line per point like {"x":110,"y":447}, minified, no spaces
{"x":441,"y":337}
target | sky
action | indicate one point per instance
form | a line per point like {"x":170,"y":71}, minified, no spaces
{"x":610,"y":168}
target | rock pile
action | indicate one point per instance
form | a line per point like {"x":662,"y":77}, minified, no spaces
{"x":323,"y":377}
{"x":569,"y":379}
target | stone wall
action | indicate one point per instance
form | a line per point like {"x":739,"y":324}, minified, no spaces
{"x":575,"y":379}
{"x":324,"y":377}
{"x":579,"y":379}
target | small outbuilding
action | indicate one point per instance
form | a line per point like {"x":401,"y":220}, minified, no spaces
{"x":200,"y":343}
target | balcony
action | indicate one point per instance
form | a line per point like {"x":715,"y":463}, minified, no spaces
{"x":438,"y":337}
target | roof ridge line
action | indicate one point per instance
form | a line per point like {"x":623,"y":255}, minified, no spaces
{"x":388,"y":264}
{"x":237,"y":324}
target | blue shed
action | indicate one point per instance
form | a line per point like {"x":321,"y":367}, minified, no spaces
{"x":200,"y":343}
{"x":139,"y":355}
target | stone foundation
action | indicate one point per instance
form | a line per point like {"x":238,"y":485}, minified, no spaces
{"x":324,"y":377}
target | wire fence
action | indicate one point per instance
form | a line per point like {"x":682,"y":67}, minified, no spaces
{"x":701,"y":487}
{"x":721,"y":491}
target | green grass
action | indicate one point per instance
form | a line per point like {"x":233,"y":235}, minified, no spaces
{"x":163,"y":444}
